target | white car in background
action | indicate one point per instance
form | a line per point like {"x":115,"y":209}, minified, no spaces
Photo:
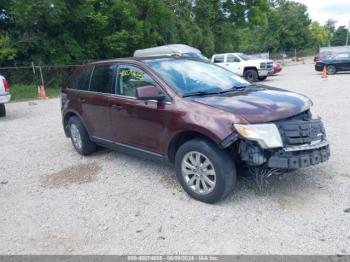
{"x":5,"y":95}
{"x":243,"y":65}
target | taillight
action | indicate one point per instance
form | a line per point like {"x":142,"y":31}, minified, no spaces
{"x":6,"y":85}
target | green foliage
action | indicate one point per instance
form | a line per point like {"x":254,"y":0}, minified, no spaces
{"x":288,"y":27}
{"x":29,"y":92}
{"x":319,"y":34}
{"x":7,"y":52}
{"x":67,"y":31}
{"x":339,"y":37}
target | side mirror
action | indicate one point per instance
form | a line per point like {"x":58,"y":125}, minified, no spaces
{"x":149,"y":93}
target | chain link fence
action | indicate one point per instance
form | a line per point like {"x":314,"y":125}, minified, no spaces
{"x":286,"y":56}
{"x":25,"y":79}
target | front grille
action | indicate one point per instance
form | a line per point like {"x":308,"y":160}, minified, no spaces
{"x":299,"y":132}
{"x":269,"y":65}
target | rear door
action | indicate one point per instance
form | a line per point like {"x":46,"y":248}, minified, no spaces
{"x":219,"y":60}
{"x":95,"y":102}
{"x":346,"y":62}
{"x":343,"y":62}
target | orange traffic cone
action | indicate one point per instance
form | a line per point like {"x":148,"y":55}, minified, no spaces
{"x":42,"y":93}
{"x":324,"y":72}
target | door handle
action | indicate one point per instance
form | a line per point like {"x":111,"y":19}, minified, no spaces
{"x":118,"y":107}
{"x":81,"y":100}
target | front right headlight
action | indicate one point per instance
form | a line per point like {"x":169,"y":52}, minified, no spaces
{"x":266,"y":135}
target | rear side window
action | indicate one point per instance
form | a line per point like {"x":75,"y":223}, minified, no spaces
{"x":102,"y":79}
{"x":82,"y":79}
{"x":219,"y":58}
{"x":343,"y":56}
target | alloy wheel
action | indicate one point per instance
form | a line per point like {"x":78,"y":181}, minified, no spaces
{"x":76,"y":137}
{"x":198,"y":172}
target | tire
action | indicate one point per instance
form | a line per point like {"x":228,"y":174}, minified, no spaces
{"x":331,"y":70}
{"x":2,"y":110}
{"x":220,"y":170}
{"x":79,"y":137}
{"x":251,"y":75}
{"x":262,"y":78}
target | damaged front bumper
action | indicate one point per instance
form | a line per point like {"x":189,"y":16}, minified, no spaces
{"x":304,"y":144}
{"x":299,"y":156}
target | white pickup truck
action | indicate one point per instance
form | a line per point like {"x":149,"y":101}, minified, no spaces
{"x":5,"y":95}
{"x":243,"y":65}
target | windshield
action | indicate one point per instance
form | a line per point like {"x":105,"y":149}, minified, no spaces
{"x":196,"y":55}
{"x":244,"y":57}
{"x":188,"y":76}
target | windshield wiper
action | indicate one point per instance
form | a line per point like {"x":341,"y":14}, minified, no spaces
{"x":238,"y":87}
{"x":200,"y":93}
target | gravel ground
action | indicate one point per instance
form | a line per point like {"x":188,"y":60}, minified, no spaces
{"x":54,"y":201}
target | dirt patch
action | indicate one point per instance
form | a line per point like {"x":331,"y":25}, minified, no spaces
{"x":79,"y":174}
{"x":169,"y":181}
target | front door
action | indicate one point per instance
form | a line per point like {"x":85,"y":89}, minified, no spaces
{"x":233,"y":63}
{"x":137,"y":123}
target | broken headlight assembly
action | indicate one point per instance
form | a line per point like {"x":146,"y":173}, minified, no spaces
{"x":266,"y":135}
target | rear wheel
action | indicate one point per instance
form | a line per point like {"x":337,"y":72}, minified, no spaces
{"x":251,"y":75}
{"x":205,"y":172}
{"x":79,"y":136}
{"x":331,"y":70}
{"x":2,"y":110}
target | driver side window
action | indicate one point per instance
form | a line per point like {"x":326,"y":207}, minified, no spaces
{"x":232,"y":58}
{"x":129,"y":78}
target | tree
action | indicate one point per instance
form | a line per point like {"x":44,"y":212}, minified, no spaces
{"x":66,"y":31}
{"x":288,"y":27}
{"x":319,"y":34}
{"x":339,"y":37}
{"x":7,"y":52}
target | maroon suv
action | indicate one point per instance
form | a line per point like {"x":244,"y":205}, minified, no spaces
{"x":194,"y":114}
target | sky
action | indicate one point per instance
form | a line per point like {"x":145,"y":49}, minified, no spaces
{"x":322,"y":10}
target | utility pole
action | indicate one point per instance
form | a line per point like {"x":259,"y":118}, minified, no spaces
{"x":347,"y":35}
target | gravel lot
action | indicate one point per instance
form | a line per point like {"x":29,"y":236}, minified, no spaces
{"x":54,"y":201}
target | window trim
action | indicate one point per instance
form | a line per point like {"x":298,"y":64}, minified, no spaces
{"x":113,"y":78}
{"x":236,"y":57}
{"x":167,"y":97}
{"x":224,"y":58}
{"x":68,"y":84}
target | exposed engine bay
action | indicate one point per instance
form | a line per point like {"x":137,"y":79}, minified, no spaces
{"x":304,"y":144}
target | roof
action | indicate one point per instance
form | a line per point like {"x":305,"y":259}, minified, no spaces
{"x":228,"y":54}
{"x":173,"y":49}
{"x":123,"y":59}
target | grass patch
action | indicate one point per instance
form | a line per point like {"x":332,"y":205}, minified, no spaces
{"x":28,"y":92}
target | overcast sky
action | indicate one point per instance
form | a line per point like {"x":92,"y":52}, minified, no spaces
{"x":322,"y":10}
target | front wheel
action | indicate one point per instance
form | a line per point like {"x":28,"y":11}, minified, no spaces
{"x":331,"y":70}
{"x":2,"y":110}
{"x":251,"y":75}
{"x":205,"y":172}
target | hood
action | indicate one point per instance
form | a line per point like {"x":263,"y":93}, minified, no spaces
{"x":262,"y":60}
{"x":259,"y":105}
